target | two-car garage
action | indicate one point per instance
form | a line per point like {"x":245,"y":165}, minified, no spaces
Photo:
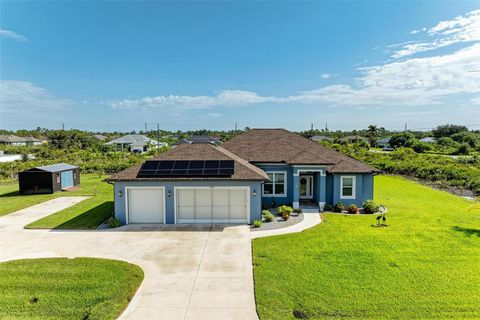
{"x":189,"y":204}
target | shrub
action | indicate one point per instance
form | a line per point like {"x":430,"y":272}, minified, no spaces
{"x":353,"y":209}
{"x":285,"y":211}
{"x":257,"y":223}
{"x":269,"y":217}
{"x":265,"y":212}
{"x":370,"y":207}
{"x":328,"y":207}
{"x":338,"y":207}
{"x":113,"y":222}
{"x":463,"y":149}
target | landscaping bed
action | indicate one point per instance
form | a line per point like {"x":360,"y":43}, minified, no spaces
{"x":62,"y":288}
{"x":278,"y":223}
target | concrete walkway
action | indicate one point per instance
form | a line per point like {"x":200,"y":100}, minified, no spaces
{"x":191,"y":271}
{"x":311,"y":218}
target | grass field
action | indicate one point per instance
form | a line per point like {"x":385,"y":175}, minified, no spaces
{"x":424,"y":265}
{"x":61,"y":288}
{"x":87,"y":214}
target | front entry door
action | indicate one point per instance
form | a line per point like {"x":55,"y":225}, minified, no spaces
{"x":306,"y":187}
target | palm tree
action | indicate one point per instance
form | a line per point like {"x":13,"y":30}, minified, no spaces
{"x":372,"y":134}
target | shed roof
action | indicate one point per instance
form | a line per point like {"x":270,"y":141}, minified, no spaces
{"x":136,"y":139}
{"x":56,"y":167}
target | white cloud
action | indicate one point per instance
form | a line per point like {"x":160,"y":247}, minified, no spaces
{"x":475,"y":100}
{"x":8,"y":34}
{"x":325,"y":76}
{"x":416,"y":81}
{"x":458,"y":30}
{"x":22,"y":96}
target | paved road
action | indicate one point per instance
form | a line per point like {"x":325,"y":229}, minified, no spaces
{"x":191,"y":272}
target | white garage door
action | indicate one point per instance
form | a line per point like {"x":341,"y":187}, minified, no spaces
{"x":146,"y":205}
{"x":207,"y":205}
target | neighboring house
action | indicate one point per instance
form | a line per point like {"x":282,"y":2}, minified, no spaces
{"x":354,"y":139}
{"x":320,"y":138}
{"x":231,"y":182}
{"x":428,"y":140}
{"x":14,"y":140}
{"x":100,"y":137}
{"x":135,"y":143}
{"x":384,"y":142}
{"x":13,"y":157}
{"x":48,"y":179}
{"x":198,"y":139}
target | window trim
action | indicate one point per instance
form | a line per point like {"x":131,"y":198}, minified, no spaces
{"x":273,"y":194}
{"x":354,"y":184}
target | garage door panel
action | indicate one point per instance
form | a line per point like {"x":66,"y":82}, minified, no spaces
{"x":222,"y":205}
{"x":145,"y":205}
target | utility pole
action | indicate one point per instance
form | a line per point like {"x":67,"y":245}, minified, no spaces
{"x":236,"y":126}
{"x":158,"y":138}
{"x":311,"y":127}
{"x":326,"y":126}
{"x":405,"y":127}
{"x":63,"y":126}
{"x":145,"y":127}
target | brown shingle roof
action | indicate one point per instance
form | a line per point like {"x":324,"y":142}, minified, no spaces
{"x":280,"y":145}
{"x":242,"y":169}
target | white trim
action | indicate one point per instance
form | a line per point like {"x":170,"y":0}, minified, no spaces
{"x":299,"y":171}
{"x":354,"y":183}
{"x":269,"y":164}
{"x":246,"y":188}
{"x":274,"y":195}
{"x":310,"y":188}
{"x":144,"y":187}
{"x":296,"y":205}
{"x":321,"y":205}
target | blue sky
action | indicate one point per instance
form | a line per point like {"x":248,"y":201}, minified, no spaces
{"x":115,"y":65}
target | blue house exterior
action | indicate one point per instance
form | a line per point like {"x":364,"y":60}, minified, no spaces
{"x":272,"y":167}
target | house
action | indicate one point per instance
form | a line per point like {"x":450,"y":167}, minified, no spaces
{"x":198,"y":139}
{"x":13,"y":140}
{"x":100,"y":137}
{"x":428,"y":140}
{"x":383,"y":143}
{"x":48,"y":179}
{"x":320,"y":138}
{"x":135,"y":143}
{"x":232,"y":182}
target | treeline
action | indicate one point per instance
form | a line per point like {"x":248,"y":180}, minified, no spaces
{"x":459,"y":172}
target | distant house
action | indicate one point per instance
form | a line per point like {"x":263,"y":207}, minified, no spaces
{"x":428,"y":140}
{"x":100,"y":137}
{"x":135,"y":143}
{"x":320,"y":138}
{"x":384,"y":142}
{"x":354,"y":139}
{"x":13,"y":140}
{"x":48,"y":179}
{"x":199,"y":139}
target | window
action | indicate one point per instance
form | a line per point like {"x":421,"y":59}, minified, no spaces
{"x":276,"y":186}
{"x":58,"y":178}
{"x":74,"y":174}
{"x":347,"y":187}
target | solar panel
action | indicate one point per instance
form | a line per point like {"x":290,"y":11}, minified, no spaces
{"x":186,"y":168}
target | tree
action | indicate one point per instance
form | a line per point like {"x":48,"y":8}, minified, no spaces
{"x":372,"y":132}
{"x":467,"y":137}
{"x":447,"y":130}
{"x":403,"y":139}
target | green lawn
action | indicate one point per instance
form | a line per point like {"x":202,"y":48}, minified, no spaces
{"x":425,"y":264}
{"x":87,"y":214}
{"x":61,"y":288}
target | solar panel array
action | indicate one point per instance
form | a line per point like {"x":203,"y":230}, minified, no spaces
{"x":186,"y":168}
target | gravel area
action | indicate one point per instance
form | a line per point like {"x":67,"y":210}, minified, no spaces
{"x":279,"y":223}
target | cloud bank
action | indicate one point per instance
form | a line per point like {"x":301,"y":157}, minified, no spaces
{"x":8,"y":34}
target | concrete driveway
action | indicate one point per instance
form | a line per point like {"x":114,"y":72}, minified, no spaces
{"x":191,"y":271}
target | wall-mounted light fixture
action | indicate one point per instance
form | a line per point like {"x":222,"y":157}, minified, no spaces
{"x":254,"y":192}
{"x":169,"y":193}
{"x":120,"y":193}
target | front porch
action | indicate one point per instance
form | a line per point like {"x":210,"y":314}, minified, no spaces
{"x":309,"y":188}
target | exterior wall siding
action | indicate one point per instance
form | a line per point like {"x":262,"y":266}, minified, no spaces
{"x":120,"y":210}
{"x":275,"y":201}
{"x":363,"y":189}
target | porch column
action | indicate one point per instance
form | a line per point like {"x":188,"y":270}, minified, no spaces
{"x":323,"y":190}
{"x":296,"y":189}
